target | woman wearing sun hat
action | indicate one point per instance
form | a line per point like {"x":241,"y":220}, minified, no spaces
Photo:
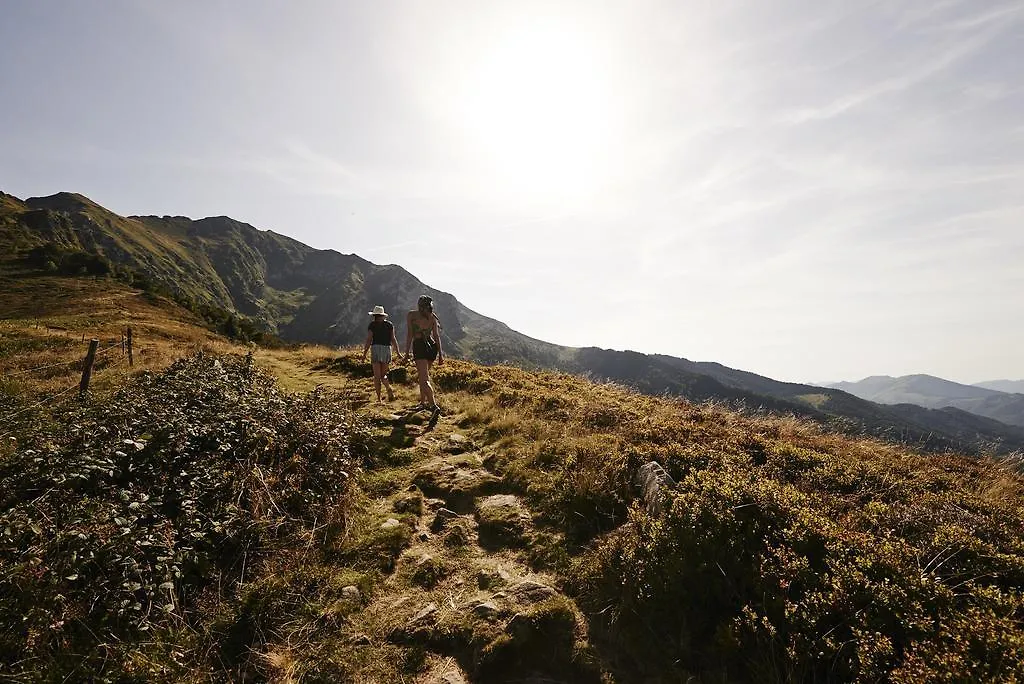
{"x":380,"y":337}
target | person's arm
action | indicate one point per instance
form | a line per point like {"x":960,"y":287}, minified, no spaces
{"x":366,"y":345}
{"x":408,"y":334}
{"x":437,"y":337}
{"x":394,"y":343}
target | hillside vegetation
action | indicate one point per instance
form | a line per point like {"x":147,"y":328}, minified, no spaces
{"x":202,"y":524}
{"x":258,"y":285}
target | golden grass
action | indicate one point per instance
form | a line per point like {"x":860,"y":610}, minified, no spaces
{"x":569,"y":446}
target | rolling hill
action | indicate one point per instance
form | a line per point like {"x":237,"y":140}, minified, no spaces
{"x":1010,"y":386}
{"x":931,"y":392}
{"x":304,"y":294}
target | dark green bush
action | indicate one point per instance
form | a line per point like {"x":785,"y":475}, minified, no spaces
{"x":753,"y":579}
{"x":117,"y":520}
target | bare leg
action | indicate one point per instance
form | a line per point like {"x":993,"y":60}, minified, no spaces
{"x":384,"y":368}
{"x":426,"y":390}
{"x":376,"y":379}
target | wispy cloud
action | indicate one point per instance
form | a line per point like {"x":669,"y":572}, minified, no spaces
{"x":810,"y":170}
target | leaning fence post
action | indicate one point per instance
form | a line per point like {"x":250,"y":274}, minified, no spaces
{"x":90,"y":357}
{"x":131,"y":358}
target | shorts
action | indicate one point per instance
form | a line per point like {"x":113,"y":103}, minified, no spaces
{"x":423,"y":350}
{"x":380,"y":353}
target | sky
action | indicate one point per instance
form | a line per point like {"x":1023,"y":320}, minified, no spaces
{"x":812,"y":190}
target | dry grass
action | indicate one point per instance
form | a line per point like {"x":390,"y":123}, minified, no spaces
{"x":572,"y":446}
{"x":48,"y":322}
{"x":860,"y":513}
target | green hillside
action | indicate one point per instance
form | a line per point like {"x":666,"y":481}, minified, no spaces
{"x":257,"y":284}
{"x":200,"y":524}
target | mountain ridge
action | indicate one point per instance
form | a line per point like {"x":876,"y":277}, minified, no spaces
{"x":932,"y":392}
{"x":305,"y":294}
{"x":1008,"y":386}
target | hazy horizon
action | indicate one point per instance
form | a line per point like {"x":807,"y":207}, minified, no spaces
{"x":809,"y":191}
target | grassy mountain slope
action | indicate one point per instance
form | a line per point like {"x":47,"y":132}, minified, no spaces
{"x":304,"y":294}
{"x":198,"y":523}
{"x":931,"y":392}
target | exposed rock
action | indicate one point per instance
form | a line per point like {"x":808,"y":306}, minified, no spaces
{"x":458,"y":444}
{"x":423,"y":536}
{"x":457,"y":485}
{"x":502,"y":520}
{"x":452,"y":678}
{"x":530,"y":591}
{"x":361,"y":640}
{"x":652,"y":480}
{"x":432,"y":503}
{"x":485,"y":610}
{"x":404,"y":436}
{"x":539,"y":637}
{"x":351,"y":593}
{"x":442,"y":518}
{"x":426,"y":615}
{"x":389,"y":524}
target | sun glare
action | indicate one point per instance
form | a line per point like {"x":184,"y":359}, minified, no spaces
{"x":538,"y":111}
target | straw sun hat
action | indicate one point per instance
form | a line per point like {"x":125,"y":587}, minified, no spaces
{"x":377,"y":311}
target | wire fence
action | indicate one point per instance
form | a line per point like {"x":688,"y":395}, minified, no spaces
{"x":85,"y":363}
{"x":53,"y":397}
{"x":39,"y":368}
{"x":26,"y":371}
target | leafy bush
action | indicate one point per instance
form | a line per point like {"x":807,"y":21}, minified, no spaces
{"x":127,"y":516}
{"x":786,"y":553}
{"x":754,"y":579}
{"x":53,"y":258}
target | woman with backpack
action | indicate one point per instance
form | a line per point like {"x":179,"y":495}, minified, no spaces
{"x":380,"y":337}
{"x":424,"y":339}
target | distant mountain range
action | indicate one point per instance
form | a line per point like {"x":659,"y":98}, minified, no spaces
{"x":1009,"y":386}
{"x":310,"y":295}
{"x":931,"y":392}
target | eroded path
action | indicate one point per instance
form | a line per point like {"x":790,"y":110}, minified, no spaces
{"x":458,"y":595}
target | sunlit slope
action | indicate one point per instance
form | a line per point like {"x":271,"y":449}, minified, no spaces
{"x":322,"y":296}
{"x":297,"y":291}
{"x":236,"y":532}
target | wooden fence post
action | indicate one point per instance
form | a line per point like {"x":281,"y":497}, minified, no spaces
{"x":90,"y":357}
{"x":122,"y":343}
{"x":131,"y":357}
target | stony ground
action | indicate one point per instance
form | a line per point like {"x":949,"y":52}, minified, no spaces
{"x":461,"y":597}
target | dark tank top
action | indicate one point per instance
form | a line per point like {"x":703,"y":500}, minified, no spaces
{"x":382,"y":332}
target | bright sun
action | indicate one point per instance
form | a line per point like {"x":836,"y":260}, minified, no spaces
{"x":538,"y":111}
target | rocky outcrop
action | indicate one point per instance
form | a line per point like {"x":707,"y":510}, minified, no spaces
{"x":653,"y":482}
{"x":502,"y":520}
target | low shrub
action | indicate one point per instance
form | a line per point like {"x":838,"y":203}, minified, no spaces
{"x":117,"y":520}
{"x":753,"y":579}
